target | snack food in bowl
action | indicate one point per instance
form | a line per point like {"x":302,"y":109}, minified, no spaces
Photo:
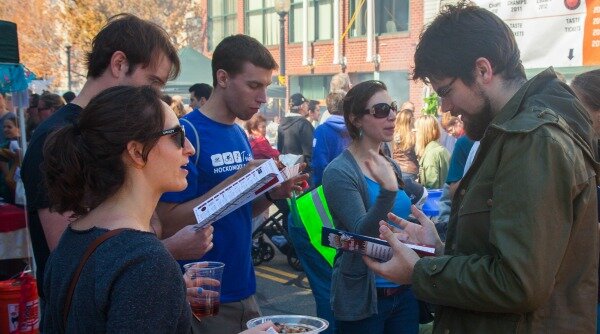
{"x":292,"y":323}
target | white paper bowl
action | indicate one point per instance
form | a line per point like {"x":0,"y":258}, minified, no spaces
{"x":318,"y":324}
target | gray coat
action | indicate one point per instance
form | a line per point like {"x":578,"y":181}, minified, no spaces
{"x":353,"y":294}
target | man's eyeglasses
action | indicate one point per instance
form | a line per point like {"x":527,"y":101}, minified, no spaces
{"x":443,"y":92}
{"x":382,"y":110}
{"x":177,"y":133}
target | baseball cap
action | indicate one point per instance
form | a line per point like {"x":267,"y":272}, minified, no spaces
{"x":297,"y":99}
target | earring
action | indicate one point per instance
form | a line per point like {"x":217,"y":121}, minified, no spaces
{"x":360,"y":133}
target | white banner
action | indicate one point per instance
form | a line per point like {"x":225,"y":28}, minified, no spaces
{"x":560,"y":33}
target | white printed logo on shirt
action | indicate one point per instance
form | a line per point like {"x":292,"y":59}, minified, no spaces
{"x":229,"y":161}
{"x":217,"y":159}
{"x":237,"y":156}
{"x":228,"y":158}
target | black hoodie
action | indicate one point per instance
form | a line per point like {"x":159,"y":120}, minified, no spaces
{"x":295,"y":136}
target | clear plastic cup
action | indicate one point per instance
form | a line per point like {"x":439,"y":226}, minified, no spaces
{"x":206,"y":278}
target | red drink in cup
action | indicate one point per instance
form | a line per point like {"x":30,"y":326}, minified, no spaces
{"x":205,"y":308}
{"x":203,"y":280}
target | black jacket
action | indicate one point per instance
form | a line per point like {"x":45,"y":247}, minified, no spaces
{"x":295,"y":136}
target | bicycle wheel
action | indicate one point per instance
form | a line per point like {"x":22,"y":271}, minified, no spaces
{"x":268,"y":252}
{"x":257,"y":257}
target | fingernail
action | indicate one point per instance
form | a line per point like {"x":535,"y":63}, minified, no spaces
{"x":200,"y":290}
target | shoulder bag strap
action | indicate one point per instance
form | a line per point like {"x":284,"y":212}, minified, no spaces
{"x":89,"y":251}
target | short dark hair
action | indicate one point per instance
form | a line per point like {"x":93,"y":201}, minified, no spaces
{"x":459,"y":35}
{"x":69,"y":96}
{"x":335,"y":102}
{"x":83,"y":161}
{"x":355,"y":103}
{"x":34,"y":99}
{"x":201,"y":90}
{"x":140,"y":40}
{"x":312,"y":105}
{"x":586,"y":86}
{"x":50,"y":100}
{"x":166,"y":98}
{"x":233,"y":51}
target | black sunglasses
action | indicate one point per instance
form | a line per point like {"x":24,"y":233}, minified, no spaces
{"x":178,"y":135}
{"x":382,"y":110}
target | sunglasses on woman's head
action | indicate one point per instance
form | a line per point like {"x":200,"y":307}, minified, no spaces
{"x":177,"y":133}
{"x":382,"y":110}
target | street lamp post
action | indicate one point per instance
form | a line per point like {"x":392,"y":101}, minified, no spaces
{"x":282,"y":42}
{"x":69,"y":67}
{"x":282,"y":7}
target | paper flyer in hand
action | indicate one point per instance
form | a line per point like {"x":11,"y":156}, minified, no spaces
{"x":369,"y":246}
{"x":241,"y":188}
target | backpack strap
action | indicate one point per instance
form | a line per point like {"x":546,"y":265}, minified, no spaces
{"x":193,"y":128}
{"x":89,"y":251}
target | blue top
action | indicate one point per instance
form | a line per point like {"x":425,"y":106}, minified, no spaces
{"x":330,"y":139}
{"x":224,"y":149}
{"x":401,"y":209}
{"x":458,"y":159}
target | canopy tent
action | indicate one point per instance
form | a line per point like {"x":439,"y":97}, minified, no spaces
{"x":196,"y":68}
{"x":14,"y":77}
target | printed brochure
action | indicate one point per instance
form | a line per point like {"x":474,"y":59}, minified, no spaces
{"x":362,"y":244}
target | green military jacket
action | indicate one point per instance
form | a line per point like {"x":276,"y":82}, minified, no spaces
{"x":521,"y":253}
{"x":434,"y":165}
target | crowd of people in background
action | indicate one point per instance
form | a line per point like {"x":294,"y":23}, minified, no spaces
{"x":145,"y":159}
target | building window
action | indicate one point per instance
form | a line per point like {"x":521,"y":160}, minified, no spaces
{"x":391,"y":16}
{"x":313,"y":87}
{"x":397,"y":82}
{"x":262,"y":22}
{"x":222,"y":21}
{"x":320,"y":20}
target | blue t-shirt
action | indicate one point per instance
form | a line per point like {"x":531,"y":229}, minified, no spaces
{"x":224,"y":149}
{"x":458,"y":159}
{"x":401,"y":209}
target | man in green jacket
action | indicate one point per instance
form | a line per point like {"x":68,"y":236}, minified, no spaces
{"x":521,"y":253}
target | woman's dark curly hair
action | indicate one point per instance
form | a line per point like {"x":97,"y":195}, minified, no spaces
{"x":83,"y":161}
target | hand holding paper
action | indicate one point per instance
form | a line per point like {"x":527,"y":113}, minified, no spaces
{"x":424,"y":234}
{"x":399,"y":268}
{"x":294,"y":182}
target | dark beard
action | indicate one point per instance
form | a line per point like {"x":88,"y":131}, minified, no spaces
{"x":476,"y":125}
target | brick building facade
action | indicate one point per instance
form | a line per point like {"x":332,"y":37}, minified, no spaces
{"x":394,"y":43}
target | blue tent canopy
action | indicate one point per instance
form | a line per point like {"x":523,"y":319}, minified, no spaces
{"x":14,"y":79}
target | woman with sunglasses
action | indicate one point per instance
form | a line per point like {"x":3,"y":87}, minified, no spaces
{"x":109,"y":169}
{"x":434,"y":159}
{"x":361,"y":186}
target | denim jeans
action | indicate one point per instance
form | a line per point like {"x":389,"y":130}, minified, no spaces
{"x":398,"y":314}
{"x":317,"y":271}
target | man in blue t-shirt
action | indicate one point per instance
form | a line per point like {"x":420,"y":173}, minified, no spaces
{"x":242,"y":70}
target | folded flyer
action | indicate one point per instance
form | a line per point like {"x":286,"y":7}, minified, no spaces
{"x":362,"y":244}
{"x":244,"y":186}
